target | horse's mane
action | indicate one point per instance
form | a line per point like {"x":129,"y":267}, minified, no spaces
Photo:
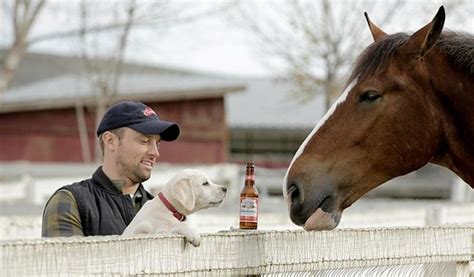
{"x":458,"y":48}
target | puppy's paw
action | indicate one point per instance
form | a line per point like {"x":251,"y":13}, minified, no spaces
{"x":194,"y":240}
{"x":190,"y":235}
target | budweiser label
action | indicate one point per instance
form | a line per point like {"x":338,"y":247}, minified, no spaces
{"x":248,"y":209}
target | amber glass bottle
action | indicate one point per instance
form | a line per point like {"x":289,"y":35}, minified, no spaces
{"x":249,"y":200}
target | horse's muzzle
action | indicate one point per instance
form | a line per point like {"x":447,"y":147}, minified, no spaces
{"x":312,"y":206}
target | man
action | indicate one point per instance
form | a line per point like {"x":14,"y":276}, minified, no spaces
{"x":129,"y":136}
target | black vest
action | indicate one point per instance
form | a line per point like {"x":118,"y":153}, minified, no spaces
{"x":104,"y":210}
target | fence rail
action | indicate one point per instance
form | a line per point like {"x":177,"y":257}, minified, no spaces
{"x":236,"y":253}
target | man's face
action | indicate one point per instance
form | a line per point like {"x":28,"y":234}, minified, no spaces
{"x":136,"y":154}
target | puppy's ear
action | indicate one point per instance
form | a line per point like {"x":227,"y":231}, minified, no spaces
{"x":183,"y":192}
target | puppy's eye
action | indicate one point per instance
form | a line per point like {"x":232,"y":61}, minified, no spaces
{"x":369,"y":96}
{"x":205,"y":184}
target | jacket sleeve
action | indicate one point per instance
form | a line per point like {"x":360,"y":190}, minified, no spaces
{"x":61,"y":216}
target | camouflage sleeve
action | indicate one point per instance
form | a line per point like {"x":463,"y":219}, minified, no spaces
{"x":61,"y":216}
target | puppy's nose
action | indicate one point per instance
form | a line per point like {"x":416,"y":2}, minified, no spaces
{"x":224,"y":189}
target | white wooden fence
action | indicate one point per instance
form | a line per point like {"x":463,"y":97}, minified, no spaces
{"x":427,"y":251}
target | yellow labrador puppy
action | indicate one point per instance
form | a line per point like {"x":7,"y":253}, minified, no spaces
{"x":189,"y":191}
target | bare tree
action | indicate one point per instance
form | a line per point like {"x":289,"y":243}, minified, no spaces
{"x":315,"y":40}
{"x":103,"y":71}
{"x":23,"y":16}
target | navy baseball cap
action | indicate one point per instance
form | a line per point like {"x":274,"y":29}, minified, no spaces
{"x":140,"y":118}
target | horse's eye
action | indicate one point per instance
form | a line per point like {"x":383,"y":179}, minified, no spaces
{"x":369,"y":96}
{"x":205,"y":183}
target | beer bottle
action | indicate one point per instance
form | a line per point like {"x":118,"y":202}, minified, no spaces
{"x":249,"y":200}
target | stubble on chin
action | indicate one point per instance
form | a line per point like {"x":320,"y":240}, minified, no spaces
{"x":141,"y":175}
{"x":134,"y":173}
{"x":143,"y":178}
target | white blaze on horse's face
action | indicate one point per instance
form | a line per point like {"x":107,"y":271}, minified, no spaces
{"x":321,"y":122}
{"x":323,"y":216}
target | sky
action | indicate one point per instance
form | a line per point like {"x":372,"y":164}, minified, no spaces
{"x":212,"y":44}
{"x":209,"y":44}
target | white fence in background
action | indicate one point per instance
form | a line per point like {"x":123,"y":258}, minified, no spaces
{"x":35,"y":183}
{"x":365,"y":214}
{"x":428,"y":251}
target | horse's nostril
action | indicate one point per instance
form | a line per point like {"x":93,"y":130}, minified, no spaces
{"x":295,"y":195}
{"x":224,"y":189}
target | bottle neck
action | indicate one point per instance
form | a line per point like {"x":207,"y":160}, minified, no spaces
{"x":250,"y":175}
{"x":249,"y":178}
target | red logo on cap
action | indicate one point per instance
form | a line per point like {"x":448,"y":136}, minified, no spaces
{"x":149,"y":111}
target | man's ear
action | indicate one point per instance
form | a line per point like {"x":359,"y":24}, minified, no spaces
{"x":182,"y":192}
{"x":109,"y":140}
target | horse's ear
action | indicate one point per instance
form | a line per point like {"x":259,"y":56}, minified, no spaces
{"x":425,"y":38}
{"x":377,"y":33}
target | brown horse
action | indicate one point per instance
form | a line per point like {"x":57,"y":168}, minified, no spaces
{"x":409,"y":101}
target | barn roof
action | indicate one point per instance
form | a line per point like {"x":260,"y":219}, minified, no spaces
{"x":270,"y":104}
{"x":69,"y":90}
